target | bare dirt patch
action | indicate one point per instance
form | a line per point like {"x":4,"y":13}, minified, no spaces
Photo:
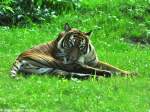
{"x":139,"y":40}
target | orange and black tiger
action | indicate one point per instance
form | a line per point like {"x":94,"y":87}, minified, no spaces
{"x":70,"y":54}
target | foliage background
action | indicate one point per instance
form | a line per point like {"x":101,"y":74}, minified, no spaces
{"x":121,"y":31}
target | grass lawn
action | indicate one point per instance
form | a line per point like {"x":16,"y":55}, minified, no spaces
{"x":111,"y":24}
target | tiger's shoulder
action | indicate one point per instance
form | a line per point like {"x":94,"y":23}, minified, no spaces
{"x":90,"y":58}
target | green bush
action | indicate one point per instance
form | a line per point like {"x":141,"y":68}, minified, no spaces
{"x":14,"y":12}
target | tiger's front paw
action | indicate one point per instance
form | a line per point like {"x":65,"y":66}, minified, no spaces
{"x":129,"y":74}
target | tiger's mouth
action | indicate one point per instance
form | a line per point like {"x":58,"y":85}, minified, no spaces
{"x":69,"y":60}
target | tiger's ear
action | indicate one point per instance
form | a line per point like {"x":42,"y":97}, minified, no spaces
{"x":88,"y":33}
{"x":67,"y":27}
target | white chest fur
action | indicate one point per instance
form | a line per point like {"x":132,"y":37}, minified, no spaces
{"x":81,"y":59}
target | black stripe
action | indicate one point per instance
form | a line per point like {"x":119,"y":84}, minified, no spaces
{"x":33,"y":68}
{"x":47,"y":61}
{"x":15,"y":66}
{"x":38,"y":62}
{"x":52,"y":70}
{"x":62,"y":43}
{"x":14,"y":70}
{"x":92,"y":60}
{"x":90,"y":48}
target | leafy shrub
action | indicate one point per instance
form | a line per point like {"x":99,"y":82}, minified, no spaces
{"x":14,"y":12}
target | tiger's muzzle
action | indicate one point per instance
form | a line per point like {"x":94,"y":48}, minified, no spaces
{"x":74,"y":55}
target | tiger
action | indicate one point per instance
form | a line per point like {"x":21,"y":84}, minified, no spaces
{"x":70,"y":54}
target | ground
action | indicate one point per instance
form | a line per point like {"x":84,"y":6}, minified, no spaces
{"x":110,"y":28}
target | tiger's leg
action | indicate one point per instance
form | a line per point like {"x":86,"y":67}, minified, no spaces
{"x":111,"y":68}
{"x":85,"y":69}
{"x":39,"y":64}
{"x":69,"y":75}
{"x":31,"y":67}
{"x":43,"y":66}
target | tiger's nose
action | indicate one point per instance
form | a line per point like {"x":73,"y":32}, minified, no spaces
{"x":74,"y":54}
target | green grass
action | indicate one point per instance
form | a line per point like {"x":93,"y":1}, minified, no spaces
{"x":46,"y":93}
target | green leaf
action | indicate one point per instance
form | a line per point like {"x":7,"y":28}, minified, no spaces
{"x":9,"y":8}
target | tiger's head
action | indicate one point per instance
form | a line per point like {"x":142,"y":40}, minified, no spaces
{"x":73,"y":43}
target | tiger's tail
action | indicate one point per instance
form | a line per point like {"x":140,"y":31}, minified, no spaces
{"x":15,"y":68}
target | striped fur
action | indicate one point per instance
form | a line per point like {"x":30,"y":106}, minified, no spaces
{"x":70,"y":54}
